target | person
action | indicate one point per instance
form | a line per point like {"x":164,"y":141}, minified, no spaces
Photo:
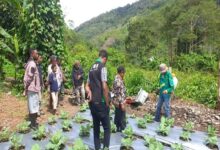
{"x":39,"y":67}
{"x":119,"y":99}
{"x":97,"y":91}
{"x":77,"y":79}
{"x":32,"y":87}
{"x":53,"y":82}
{"x":165,"y":91}
{"x":62,"y":77}
{"x":53,"y":61}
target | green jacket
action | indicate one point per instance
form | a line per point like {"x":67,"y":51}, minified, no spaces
{"x":166,"y":82}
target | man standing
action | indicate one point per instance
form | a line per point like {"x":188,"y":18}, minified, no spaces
{"x":119,"y":99}
{"x":97,"y":90}
{"x":77,"y":79}
{"x":166,"y":89}
{"x":39,"y":67}
{"x":32,"y":87}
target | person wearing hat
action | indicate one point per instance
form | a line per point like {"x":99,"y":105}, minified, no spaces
{"x":165,"y":90}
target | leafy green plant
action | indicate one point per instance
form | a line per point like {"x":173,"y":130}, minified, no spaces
{"x":40,"y":133}
{"x":126,"y":143}
{"x":66,"y":125}
{"x":15,"y":142}
{"x":169,"y":122}
{"x":113,"y":128}
{"x":52,"y":120}
{"x":211,"y":141}
{"x":85,"y":130}
{"x":57,"y":141}
{"x":164,"y":127}
{"x":133,"y":116}
{"x":128,"y":132}
{"x":185,"y":136}
{"x":141,"y":123}
{"x":152,"y":143}
{"x":5,"y":134}
{"x":211,"y":130}
{"x":189,"y":126}
{"x":149,"y":118}
{"x":79,"y":145}
{"x":83,"y":107}
{"x":36,"y":147}
{"x":78,"y":118}
{"x":177,"y":146}
{"x":24,"y":127}
{"x":64,"y":115}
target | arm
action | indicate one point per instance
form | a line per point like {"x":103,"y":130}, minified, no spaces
{"x":106,"y":91}
{"x":88,"y":91}
{"x":30,"y":76}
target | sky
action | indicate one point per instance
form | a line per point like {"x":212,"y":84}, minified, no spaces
{"x":80,"y":11}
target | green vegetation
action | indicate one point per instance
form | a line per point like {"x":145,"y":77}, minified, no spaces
{"x":52,"y":120}
{"x":113,"y":127}
{"x":36,"y":147}
{"x":177,"y":146}
{"x":66,"y":125}
{"x":152,"y":143}
{"x":24,"y":127}
{"x":149,"y":118}
{"x":5,"y":135}
{"x":79,"y":145}
{"x":15,"y":142}
{"x":185,"y":136}
{"x":85,"y":130}
{"x":141,"y":123}
{"x":128,"y":132}
{"x":164,"y":127}
{"x":126,"y":143}
{"x":64,"y":115}
{"x":40,"y":133}
{"x":212,"y":138}
{"x":78,"y":118}
{"x":57,"y":141}
{"x":83,"y":107}
{"x":189,"y":126}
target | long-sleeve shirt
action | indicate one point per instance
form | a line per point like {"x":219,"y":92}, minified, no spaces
{"x":75,"y":73}
{"x":119,"y":90}
{"x":166,"y":82}
{"x":31,"y":77}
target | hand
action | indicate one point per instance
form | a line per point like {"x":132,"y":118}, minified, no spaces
{"x":25,"y":93}
{"x":165,"y":92}
{"x":89,"y":95}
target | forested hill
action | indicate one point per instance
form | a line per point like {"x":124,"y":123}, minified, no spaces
{"x":116,"y":18}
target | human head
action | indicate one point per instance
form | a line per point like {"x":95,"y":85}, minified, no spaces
{"x":103,"y":55}
{"x":54,"y":68}
{"x":33,"y":53}
{"x":121,"y":71}
{"x":163,"y":68}
{"x":77,"y":64}
{"x":53,"y":60}
{"x":39,"y":59}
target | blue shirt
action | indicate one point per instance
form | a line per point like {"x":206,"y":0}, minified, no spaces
{"x":53,"y":82}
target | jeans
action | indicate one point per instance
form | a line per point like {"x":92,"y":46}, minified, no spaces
{"x":120,"y":119}
{"x":163,"y":99}
{"x":100,"y":114}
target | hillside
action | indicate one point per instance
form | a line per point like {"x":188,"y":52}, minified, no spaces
{"x":115,"y":20}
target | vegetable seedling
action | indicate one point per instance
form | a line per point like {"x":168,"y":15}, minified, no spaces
{"x":212,"y":142}
{"x":66,"y":125}
{"x":57,"y":141}
{"x":126,"y":144}
{"x":185,"y":136}
{"x":64,"y":115}
{"x":15,"y":142}
{"x":5,"y":135}
{"x":149,"y":118}
{"x":113,"y":128}
{"x":24,"y":127}
{"x":177,"y":146}
{"x":52,"y":120}
{"x":133,"y":116}
{"x":79,"y":145}
{"x":40,"y":133}
{"x":189,"y":126}
{"x":78,"y":118}
{"x":84,"y":130}
{"x":83,"y":107}
{"x":128,"y":132}
{"x":36,"y":147}
{"x":211,"y":131}
{"x":164,"y":127}
{"x":152,"y":143}
{"x":141,"y":123}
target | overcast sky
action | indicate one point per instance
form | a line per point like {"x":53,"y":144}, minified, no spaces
{"x":80,"y":11}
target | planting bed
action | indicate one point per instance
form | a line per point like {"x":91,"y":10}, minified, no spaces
{"x":138,"y":143}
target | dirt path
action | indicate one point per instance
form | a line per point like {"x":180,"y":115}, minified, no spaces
{"x":13,"y":110}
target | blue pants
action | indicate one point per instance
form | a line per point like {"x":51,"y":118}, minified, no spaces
{"x":163,"y":99}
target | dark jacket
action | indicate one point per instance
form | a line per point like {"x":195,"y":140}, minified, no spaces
{"x":75,"y":73}
{"x":53,"y":82}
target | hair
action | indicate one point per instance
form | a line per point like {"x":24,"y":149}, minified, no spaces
{"x":31,"y":50}
{"x":53,"y":66}
{"x":121,"y":69}
{"x":53,"y":57}
{"x":103,"y":53}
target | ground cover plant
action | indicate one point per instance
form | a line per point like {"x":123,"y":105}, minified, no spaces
{"x":52,"y":120}
{"x":85,"y":130}
{"x":40,"y":133}
{"x":24,"y":127}
{"x":5,"y":135}
{"x":56,"y":142}
{"x":79,"y":145}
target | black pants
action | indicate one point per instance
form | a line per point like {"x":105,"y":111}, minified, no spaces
{"x":100,"y":114}
{"x":120,"y":119}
